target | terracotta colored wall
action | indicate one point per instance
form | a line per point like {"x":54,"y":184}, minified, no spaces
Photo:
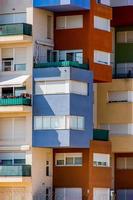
{"x":122,"y":16}
{"x":123,"y":178}
{"x":99,"y":176}
{"x":72,"y":176}
{"x":88,"y":39}
{"x":86,"y":177}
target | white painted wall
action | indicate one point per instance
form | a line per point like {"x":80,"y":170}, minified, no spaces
{"x":40,"y":34}
{"x":39,"y":178}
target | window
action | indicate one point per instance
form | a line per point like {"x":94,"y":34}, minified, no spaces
{"x":118,"y":96}
{"x":124,"y":37}
{"x":16,"y":91}
{"x":101,"y":57}
{"x":61,"y":87}
{"x":101,"y":193}
{"x":12,"y":159}
{"x":68,"y":159}
{"x":68,"y":194}
{"x":14,"y":59}
{"x":104,"y":2}
{"x":13,"y":18}
{"x":49,"y":27}
{"x":69,"y":22}
{"x":47,"y":168}
{"x":101,"y":160}
{"x":118,"y":129}
{"x":59,"y":122}
{"x":101,"y":23}
{"x":48,"y":193}
{"x":124,"y":163}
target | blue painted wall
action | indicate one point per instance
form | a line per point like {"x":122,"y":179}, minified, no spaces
{"x":64,"y":104}
{"x":55,"y":5}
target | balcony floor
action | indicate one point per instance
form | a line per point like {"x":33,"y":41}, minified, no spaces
{"x":15,"y":109}
{"x":15,"y":39}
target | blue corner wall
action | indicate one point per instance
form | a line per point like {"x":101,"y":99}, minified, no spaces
{"x":60,"y":6}
{"x":64,"y":104}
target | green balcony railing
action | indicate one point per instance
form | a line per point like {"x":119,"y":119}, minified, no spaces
{"x":62,"y":64}
{"x":24,"y":170}
{"x":15,"y":29}
{"x":99,"y":134}
{"x":15,"y":101}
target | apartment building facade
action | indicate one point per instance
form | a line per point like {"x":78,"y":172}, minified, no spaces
{"x":51,"y":54}
{"x":115,"y":101}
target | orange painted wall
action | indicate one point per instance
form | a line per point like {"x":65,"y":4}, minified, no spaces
{"x":99,"y":176}
{"x":86,"y":177}
{"x":123,"y":178}
{"x":88,"y":39}
{"x":72,"y":176}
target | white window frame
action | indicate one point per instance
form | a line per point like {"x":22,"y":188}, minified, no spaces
{"x":98,"y":53}
{"x":61,"y":193}
{"x":99,"y":197}
{"x":68,"y":155}
{"x":67,"y":123}
{"x":70,"y":86}
{"x":66,"y":19}
{"x":100,"y":22}
{"x":101,"y":160}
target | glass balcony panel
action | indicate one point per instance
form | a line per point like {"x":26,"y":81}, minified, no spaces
{"x":15,"y":29}
{"x":24,"y":170}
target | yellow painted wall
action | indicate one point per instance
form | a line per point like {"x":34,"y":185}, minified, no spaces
{"x":114,"y":112}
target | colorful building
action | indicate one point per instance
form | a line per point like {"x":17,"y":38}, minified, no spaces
{"x":53,"y":55}
{"x":115,"y":101}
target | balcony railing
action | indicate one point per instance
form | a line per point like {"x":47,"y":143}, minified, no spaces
{"x":99,"y":134}
{"x":16,"y":29}
{"x":15,"y":101}
{"x":24,"y":170}
{"x":123,"y":71}
{"x":62,"y":64}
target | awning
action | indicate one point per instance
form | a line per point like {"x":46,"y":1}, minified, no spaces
{"x":13,"y":81}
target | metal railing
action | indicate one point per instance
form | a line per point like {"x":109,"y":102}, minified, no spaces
{"x":24,"y":170}
{"x":15,"y":29}
{"x":62,"y":64}
{"x":123,"y":71}
{"x":15,"y":101}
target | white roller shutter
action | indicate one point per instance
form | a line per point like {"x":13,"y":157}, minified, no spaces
{"x":68,"y":194}
{"x":101,"y":23}
{"x":20,"y":55}
{"x":6,"y":129}
{"x":7,"y":52}
{"x":74,"y":21}
{"x":101,"y":193}
{"x":19,"y":129}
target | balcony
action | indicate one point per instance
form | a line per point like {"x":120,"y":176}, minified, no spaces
{"x":63,"y":5}
{"x":15,"y":174}
{"x":10,"y":33}
{"x":123,"y":70}
{"x":15,"y":104}
{"x":62,"y":64}
{"x":102,"y":135}
{"x":24,"y":170}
